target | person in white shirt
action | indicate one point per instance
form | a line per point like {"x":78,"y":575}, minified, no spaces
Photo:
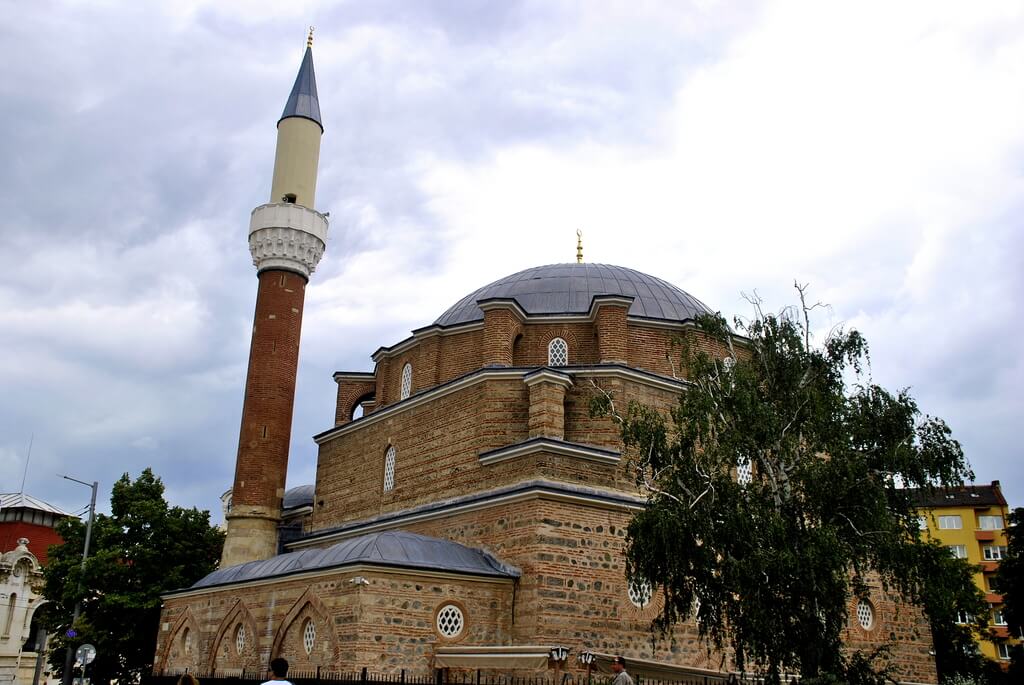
{"x":619,"y":668}
{"x":279,"y":669}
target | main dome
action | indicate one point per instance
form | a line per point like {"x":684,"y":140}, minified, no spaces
{"x":569,"y":289}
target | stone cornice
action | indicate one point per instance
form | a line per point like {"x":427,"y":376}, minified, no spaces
{"x":287,"y":236}
{"x":357,"y":568}
{"x":550,"y":446}
{"x":547,"y":374}
{"x":354,"y":376}
{"x":498,"y":373}
{"x":526,"y":491}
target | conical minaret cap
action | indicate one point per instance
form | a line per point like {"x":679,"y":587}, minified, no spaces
{"x":303,"y":101}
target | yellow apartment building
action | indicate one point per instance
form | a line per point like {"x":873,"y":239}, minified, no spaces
{"x":971,"y":522}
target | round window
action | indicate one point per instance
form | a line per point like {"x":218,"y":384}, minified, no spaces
{"x":865,"y":614}
{"x":640,"y":594}
{"x":450,"y":620}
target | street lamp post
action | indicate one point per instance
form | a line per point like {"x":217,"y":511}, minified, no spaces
{"x":69,"y":656}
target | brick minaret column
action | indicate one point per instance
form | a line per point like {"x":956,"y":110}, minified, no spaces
{"x":287,"y":239}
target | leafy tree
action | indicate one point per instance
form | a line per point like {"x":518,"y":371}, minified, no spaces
{"x":144,"y":548}
{"x":770,"y":560}
{"x":1010,"y":580}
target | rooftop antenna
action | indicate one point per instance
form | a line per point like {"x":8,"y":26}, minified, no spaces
{"x":579,"y":246}
{"x":28,"y":458}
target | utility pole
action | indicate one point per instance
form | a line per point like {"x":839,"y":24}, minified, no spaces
{"x":69,"y":656}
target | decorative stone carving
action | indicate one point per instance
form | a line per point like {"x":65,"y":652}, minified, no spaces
{"x":287,"y":236}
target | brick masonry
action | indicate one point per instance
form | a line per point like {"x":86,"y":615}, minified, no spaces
{"x":572,"y":590}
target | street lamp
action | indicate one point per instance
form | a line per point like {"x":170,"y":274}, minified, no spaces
{"x":69,"y":656}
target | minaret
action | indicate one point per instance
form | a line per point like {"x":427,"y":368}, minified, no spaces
{"x":287,"y":237}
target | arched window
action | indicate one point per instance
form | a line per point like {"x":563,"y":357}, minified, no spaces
{"x":406,"y":381}
{"x":186,"y":641}
{"x":389,"y":469}
{"x":240,"y":639}
{"x":865,"y":614}
{"x":308,"y":636}
{"x":558,"y":353}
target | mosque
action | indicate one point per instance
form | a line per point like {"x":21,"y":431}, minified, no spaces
{"x":468,"y":511}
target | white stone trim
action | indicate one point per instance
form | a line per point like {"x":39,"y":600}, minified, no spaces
{"x":548,"y":375}
{"x":361,"y":568}
{"x":487,"y":374}
{"x":562,"y":449}
{"x":534,"y":493}
{"x":287,"y":236}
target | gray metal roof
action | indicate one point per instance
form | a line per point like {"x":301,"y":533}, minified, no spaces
{"x":389,"y":548}
{"x":303,"y":102}
{"x":299,"y":496}
{"x":569,"y":289}
{"x":19,"y":500}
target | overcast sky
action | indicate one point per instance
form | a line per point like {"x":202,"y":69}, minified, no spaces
{"x":872,"y":150}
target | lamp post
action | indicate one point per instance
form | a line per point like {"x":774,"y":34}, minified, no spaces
{"x":69,"y":656}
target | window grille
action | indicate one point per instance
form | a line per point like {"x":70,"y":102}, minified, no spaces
{"x":389,"y":469}
{"x":744,"y":471}
{"x":308,"y":636}
{"x":240,"y":639}
{"x":450,"y":620}
{"x":865,"y":615}
{"x":558,"y":353}
{"x":406,"y":381}
{"x":186,"y":640}
{"x":640,"y":593}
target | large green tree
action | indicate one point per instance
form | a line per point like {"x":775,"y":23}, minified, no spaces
{"x":143,"y":548}
{"x":777,"y":491}
{"x":1011,"y":584}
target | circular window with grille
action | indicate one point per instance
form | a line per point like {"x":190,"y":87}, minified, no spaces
{"x":450,"y":621}
{"x":308,"y":636}
{"x":640,"y":593}
{"x":406,"y":381}
{"x":240,"y":639}
{"x":865,"y":614}
{"x":389,"y":469}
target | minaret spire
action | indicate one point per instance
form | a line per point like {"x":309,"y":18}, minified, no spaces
{"x":287,"y":238}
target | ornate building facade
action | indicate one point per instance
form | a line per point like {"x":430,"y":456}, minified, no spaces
{"x":468,"y":511}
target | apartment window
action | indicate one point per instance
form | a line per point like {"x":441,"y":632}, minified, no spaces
{"x":997,"y":616}
{"x":922,"y":522}
{"x":558,"y":353}
{"x":992,"y":584}
{"x":389,"y":469}
{"x":962,"y":617}
{"x":1004,"y":650}
{"x":990,"y":522}
{"x":950,"y":522}
{"x":406,"y":381}
{"x":958,"y":551}
{"x":994,"y":552}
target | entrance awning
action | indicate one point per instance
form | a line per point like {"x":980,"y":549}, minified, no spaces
{"x":657,"y":670}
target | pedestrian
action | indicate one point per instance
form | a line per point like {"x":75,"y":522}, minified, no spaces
{"x":278,"y":671}
{"x":619,"y":669}
{"x":187,"y":679}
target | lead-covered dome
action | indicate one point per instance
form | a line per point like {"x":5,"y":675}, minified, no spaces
{"x":569,"y":289}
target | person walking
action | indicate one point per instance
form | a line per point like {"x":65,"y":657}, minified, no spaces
{"x":279,"y":669}
{"x":619,"y":669}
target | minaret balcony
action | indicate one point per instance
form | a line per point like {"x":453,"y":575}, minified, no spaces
{"x":287,"y":236}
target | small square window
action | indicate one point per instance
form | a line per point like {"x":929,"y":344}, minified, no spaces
{"x":958,"y":551}
{"x":1004,"y":650}
{"x":998,"y":618}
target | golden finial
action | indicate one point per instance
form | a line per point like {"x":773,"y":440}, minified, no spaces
{"x":579,"y":246}
{"x":309,"y":40}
